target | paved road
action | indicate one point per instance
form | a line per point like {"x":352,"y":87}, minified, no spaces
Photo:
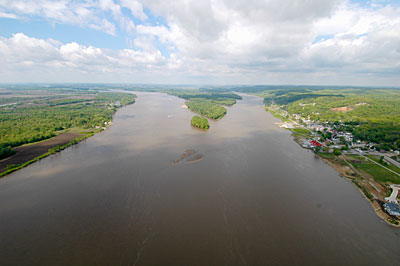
{"x":387,"y":158}
{"x":378,"y":164}
{"x":393,"y":196}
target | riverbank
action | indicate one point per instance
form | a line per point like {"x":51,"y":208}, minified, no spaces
{"x":370,"y":180}
{"x":29,"y":153}
{"x":373,"y":191}
{"x":120,"y":193}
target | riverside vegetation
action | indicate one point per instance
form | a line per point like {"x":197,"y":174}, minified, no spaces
{"x":343,"y":123}
{"x":207,"y":108}
{"x":200,"y":122}
{"x":370,"y":114}
{"x":348,"y":122}
{"x":29,"y":115}
{"x":208,"y":104}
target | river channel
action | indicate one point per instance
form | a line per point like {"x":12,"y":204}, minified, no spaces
{"x":252,"y":196}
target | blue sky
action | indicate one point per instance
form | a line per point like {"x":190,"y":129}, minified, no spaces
{"x":336,"y":42}
{"x":41,"y":27}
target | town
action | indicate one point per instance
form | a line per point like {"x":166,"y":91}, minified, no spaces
{"x":332,"y":138}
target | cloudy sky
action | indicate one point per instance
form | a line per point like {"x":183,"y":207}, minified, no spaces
{"x":327,"y":42}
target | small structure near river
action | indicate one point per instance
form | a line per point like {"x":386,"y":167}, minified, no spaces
{"x":392,"y":205}
{"x":392,"y":208}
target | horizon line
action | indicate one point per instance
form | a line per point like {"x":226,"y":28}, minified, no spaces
{"x":191,"y":84}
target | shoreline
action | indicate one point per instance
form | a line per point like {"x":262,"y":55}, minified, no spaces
{"x":342,"y":170}
{"x":50,"y":151}
{"x":56,"y":148}
{"x":375,"y":203}
{"x":364,"y":182}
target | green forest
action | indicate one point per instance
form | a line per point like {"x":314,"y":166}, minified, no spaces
{"x":39,"y":118}
{"x":223,"y":98}
{"x":370,"y":114}
{"x":200,"y":122}
{"x":207,"y":108}
{"x":208,"y":104}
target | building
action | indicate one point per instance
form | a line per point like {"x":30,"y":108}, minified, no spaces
{"x":315,"y":143}
{"x":392,"y":208}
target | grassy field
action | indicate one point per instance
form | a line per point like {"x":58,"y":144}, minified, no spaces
{"x":300,"y":132}
{"x":326,"y":155}
{"x":377,"y":172}
{"x":277,"y":113}
{"x":388,"y":165}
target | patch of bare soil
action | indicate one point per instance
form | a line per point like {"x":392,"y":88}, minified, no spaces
{"x":343,"y":109}
{"x":358,"y":104}
{"x":29,"y":152}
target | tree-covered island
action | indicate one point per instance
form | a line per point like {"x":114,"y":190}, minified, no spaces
{"x":209,"y":104}
{"x":200,"y":122}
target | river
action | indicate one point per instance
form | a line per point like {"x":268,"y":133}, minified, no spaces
{"x":256,"y":198}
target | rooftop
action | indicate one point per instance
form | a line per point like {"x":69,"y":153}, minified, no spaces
{"x":392,"y":209}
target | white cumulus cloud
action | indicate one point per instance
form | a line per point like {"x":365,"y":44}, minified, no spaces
{"x":215,"y":41}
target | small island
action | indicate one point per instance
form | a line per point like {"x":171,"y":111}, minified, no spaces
{"x":200,"y":122}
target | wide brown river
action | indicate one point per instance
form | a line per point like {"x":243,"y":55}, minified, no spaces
{"x":255,"y":198}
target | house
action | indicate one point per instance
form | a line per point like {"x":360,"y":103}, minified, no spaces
{"x":315,"y":143}
{"x":392,"y":208}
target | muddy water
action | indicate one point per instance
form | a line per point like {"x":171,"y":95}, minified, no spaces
{"x":254,"y":198}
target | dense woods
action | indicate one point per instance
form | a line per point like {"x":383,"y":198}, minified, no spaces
{"x":220,"y":97}
{"x":207,"y":108}
{"x":208,"y":104}
{"x":39,"y":118}
{"x":200,"y":122}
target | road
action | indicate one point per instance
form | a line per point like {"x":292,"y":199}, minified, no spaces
{"x":359,"y":153}
{"x":387,"y":158}
{"x":393,"y":197}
